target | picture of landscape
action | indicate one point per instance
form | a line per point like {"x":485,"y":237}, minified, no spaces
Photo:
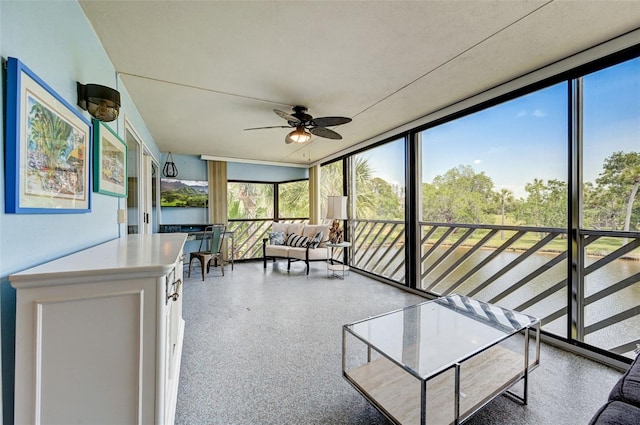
{"x":55,"y":153}
{"x":184,"y":193}
{"x":113,"y":161}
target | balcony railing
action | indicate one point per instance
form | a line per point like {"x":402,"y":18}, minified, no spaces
{"x":249,"y":234}
{"x":523,"y":268}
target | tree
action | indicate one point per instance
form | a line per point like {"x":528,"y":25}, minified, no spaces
{"x":458,"y":196}
{"x":293,"y":199}
{"x":387,"y":203}
{"x":366,"y":199}
{"x":254,"y":200}
{"x":621,"y":175}
{"x":365,"y":202}
{"x":545,"y":205}
{"x":330,"y":183}
{"x":602,"y":209}
{"x":505,"y":198}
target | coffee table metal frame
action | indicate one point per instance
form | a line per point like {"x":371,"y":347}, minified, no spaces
{"x":527,"y":326}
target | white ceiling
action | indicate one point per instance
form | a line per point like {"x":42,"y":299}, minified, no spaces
{"x":200,"y":72}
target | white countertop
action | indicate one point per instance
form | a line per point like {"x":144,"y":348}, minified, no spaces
{"x":129,"y":256}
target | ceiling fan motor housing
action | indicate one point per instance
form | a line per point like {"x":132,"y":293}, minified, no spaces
{"x":300,"y":113}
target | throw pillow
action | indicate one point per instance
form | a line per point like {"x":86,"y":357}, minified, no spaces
{"x":276,"y":238}
{"x":297,"y":240}
{"x":279,"y":227}
{"x":315,"y":241}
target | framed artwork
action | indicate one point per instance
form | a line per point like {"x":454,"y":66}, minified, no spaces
{"x":184,"y":193}
{"x":48,"y":146}
{"x":109,"y":161}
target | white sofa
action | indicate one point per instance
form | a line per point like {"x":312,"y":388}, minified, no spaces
{"x":272,"y":249}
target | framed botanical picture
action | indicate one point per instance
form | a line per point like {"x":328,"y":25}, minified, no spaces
{"x":109,"y":161}
{"x":48,"y":146}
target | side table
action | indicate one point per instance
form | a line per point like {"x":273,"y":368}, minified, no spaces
{"x":333,"y":269}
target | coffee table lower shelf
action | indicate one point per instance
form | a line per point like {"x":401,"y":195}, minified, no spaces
{"x":398,"y":394}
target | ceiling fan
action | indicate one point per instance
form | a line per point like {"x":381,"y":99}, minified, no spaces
{"x":305,"y":125}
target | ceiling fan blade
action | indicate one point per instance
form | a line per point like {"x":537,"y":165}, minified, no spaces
{"x":325,"y":132}
{"x":330,"y":121}
{"x":273,"y":126}
{"x":287,"y":116}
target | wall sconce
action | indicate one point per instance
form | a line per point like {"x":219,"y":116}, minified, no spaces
{"x":103,"y":103}
{"x":336,"y":210}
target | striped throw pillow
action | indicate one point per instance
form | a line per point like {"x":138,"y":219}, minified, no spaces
{"x":297,"y":240}
{"x":313,"y":243}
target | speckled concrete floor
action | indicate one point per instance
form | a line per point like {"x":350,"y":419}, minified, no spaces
{"x":264,"y":347}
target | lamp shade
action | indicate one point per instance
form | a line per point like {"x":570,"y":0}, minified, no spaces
{"x":299,"y":135}
{"x":102,"y":103}
{"x":337,"y":207}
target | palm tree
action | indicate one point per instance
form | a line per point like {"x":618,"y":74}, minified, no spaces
{"x":49,"y":133}
{"x":332,"y":181}
{"x":293,"y":199}
{"x":505,"y":196}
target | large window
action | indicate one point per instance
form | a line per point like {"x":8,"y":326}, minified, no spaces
{"x":250,"y":200}
{"x":331,"y":183}
{"x":503,"y":165}
{"x":293,"y":199}
{"x":378,"y":228}
{"x":610,"y":275}
{"x":494,"y":205}
{"x":252,"y":206}
{"x":611,"y":146}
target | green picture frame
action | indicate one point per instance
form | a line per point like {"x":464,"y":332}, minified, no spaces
{"x":109,"y":161}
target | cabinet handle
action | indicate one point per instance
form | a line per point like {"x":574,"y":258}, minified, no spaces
{"x":175,"y":295}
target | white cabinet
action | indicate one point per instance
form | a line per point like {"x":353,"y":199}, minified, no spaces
{"x":99,"y":334}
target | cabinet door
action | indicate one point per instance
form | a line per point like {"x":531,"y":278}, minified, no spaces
{"x":80,"y":356}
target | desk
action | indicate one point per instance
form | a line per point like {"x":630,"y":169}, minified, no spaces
{"x":196,"y":231}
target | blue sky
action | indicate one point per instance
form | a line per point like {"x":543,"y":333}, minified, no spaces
{"x":526,"y":138}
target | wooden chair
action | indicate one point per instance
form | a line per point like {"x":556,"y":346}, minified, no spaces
{"x":210,"y":249}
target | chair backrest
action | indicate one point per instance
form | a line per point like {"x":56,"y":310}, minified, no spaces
{"x":217,"y":234}
{"x":212,"y":238}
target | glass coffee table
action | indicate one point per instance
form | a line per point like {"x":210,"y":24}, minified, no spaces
{"x":440,"y":361}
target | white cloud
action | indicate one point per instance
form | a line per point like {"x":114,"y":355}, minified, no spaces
{"x":539,"y":113}
{"x":477,"y":161}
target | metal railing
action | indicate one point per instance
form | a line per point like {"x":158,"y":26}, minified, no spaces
{"x":249,"y":234}
{"x":378,"y":247}
{"x":518,"y":267}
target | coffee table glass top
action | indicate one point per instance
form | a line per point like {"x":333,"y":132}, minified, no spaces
{"x":433,"y":335}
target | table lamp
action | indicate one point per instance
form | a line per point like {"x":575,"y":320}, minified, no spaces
{"x":336,"y":210}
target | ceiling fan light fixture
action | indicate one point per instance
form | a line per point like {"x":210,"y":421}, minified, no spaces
{"x":299,"y":135}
